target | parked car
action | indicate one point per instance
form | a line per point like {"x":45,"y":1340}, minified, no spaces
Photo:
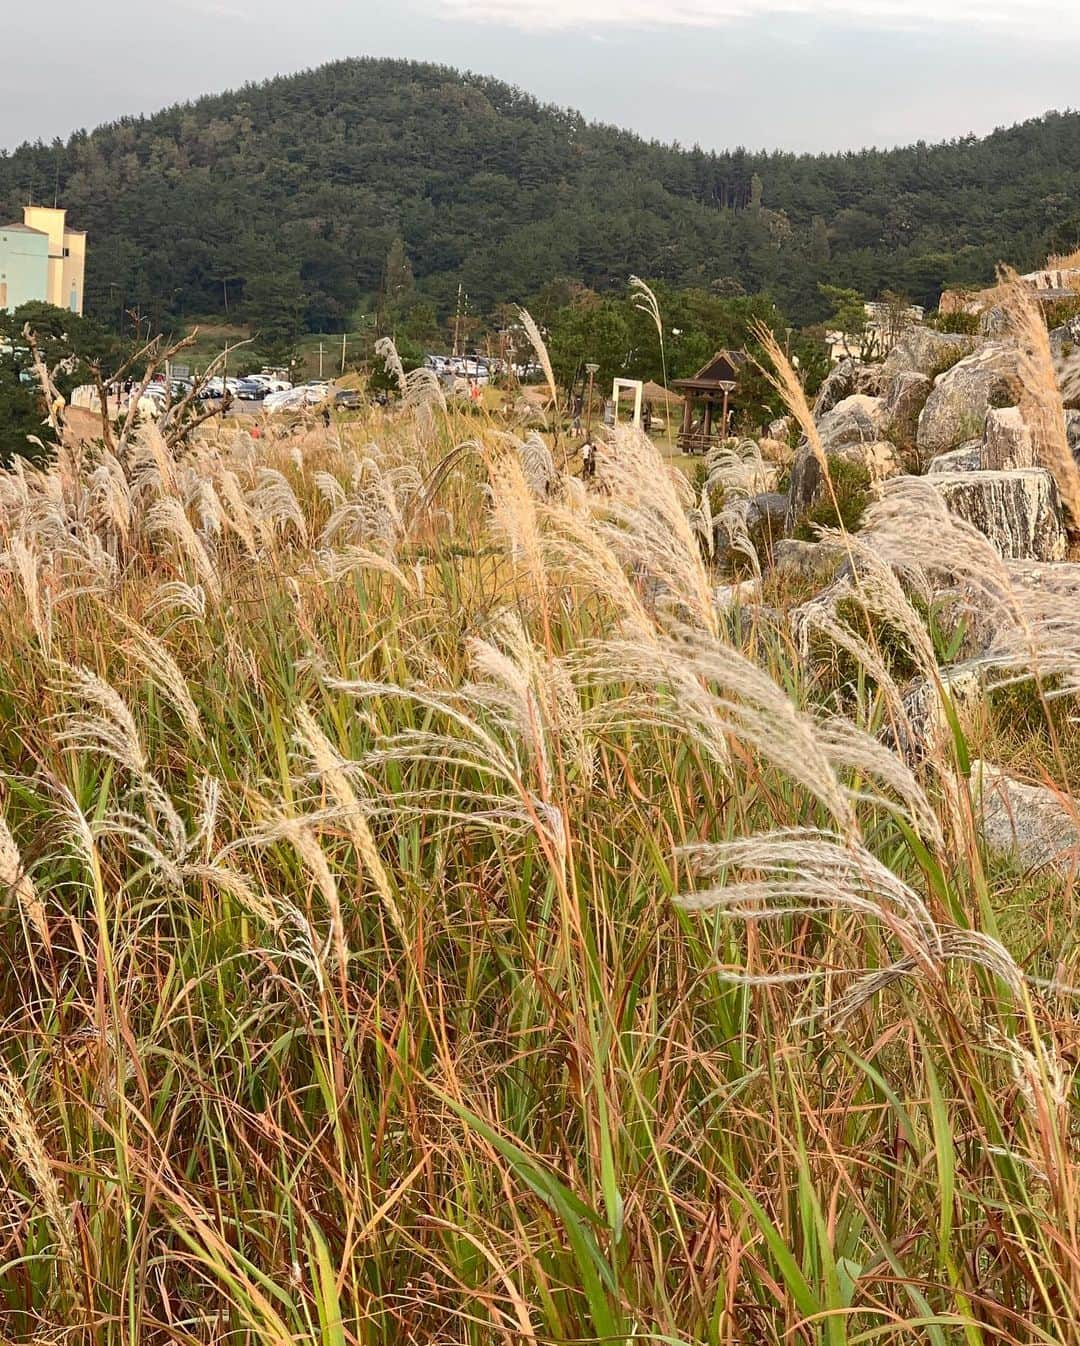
{"x":348,"y":399}
{"x":249,"y":390}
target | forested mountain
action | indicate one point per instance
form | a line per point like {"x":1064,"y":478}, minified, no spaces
{"x":290,"y":196}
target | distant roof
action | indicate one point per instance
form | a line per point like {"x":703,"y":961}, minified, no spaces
{"x":722,"y":368}
{"x":14,"y":228}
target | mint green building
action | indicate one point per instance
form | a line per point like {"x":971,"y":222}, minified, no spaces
{"x":24,"y":265}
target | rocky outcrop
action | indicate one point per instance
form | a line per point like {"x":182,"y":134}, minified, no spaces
{"x":878,"y":460}
{"x":858,"y":419}
{"x":967,"y":458}
{"x":923,"y":351}
{"x":905,"y":397}
{"x":808,"y":562}
{"x":1007,"y":441}
{"x":1028,"y":822}
{"x":1019,"y":511}
{"x":849,"y":378}
{"x":1065,"y":340}
{"x":956,"y":408}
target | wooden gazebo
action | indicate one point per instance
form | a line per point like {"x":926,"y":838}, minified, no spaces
{"x":709,"y":388}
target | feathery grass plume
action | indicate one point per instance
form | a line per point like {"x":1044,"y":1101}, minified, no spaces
{"x":514,"y":518}
{"x":208,"y":507}
{"x":179,"y":600}
{"x":787,"y":383}
{"x":167,"y":518}
{"x":642,"y":511}
{"x":333,"y":775}
{"x":109,"y":728}
{"x":738,"y":470}
{"x":1041,"y":402}
{"x":151,"y":655}
{"x":775,"y":876}
{"x":645,"y":301}
{"x":110,"y":492}
{"x":237,"y":513}
{"x":536,"y":340}
{"x":15,"y":879}
{"x":22,"y":559}
{"x":477,"y":743}
{"x":274,"y":501}
{"x":21,"y":1136}
{"x":732,"y":519}
{"x":301,"y":836}
{"x":573,"y":542}
{"x":532,"y":696}
{"x":370,"y":516}
{"x":387,"y":352}
{"x":153,"y":469}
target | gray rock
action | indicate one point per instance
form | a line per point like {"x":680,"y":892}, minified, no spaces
{"x":967,"y":458}
{"x":1028,"y":822}
{"x":1066,"y":337}
{"x":879,"y":458}
{"x":1006,"y":441}
{"x":1019,"y":511}
{"x":923,"y":351}
{"x":846,"y":379}
{"x":1072,"y":429}
{"x":768,"y":510}
{"x":994,"y":323}
{"x":905,"y":398}
{"x":956,"y":408}
{"x":858,"y":419}
{"x":815,"y":562}
{"x":781,"y":428}
{"x":928,"y":728}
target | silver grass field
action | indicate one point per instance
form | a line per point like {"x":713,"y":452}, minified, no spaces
{"x":430,"y":915}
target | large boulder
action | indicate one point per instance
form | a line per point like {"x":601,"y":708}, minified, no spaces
{"x":858,"y":419}
{"x":846,"y":379}
{"x":994,"y":323}
{"x":967,"y":458}
{"x":1007,"y":441}
{"x":1065,"y":340}
{"x":877,"y":460}
{"x":1027,"y":822}
{"x":921,"y":350}
{"x":1020,"y":511}
{"x":814,"y":563}
{"x":905,"y":398}
{"x":956,"y":408}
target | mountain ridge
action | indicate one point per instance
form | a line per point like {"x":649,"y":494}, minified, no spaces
{"x":296,"y":189}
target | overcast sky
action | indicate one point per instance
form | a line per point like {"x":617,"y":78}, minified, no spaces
{"x":796,"y":74}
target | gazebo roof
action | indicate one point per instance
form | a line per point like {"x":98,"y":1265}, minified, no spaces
{"x":722,"y":368}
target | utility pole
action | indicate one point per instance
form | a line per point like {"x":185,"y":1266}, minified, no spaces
{"x":457,"y":322}
{"x":344,"y":337}
{"x":320,"y":358}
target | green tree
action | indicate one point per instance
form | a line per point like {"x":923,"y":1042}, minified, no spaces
{"x":274,"y":307}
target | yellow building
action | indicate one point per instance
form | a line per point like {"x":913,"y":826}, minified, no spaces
{"x":67,"y":256}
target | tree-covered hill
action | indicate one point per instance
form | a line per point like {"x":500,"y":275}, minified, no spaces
{"x":289,"y":196}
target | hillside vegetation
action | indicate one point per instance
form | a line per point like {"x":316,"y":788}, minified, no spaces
{"x":287,"y":198}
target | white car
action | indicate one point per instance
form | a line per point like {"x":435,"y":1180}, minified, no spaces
{"x":289,"y":400}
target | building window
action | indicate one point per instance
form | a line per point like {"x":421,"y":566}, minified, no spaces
{"x":74,"y":301}
{"x":67,"y":252}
